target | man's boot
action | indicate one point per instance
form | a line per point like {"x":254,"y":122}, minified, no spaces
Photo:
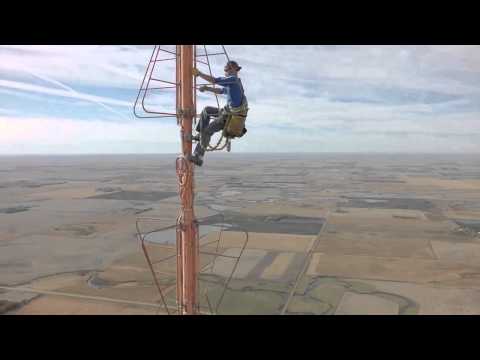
{"x":196,"y":159}
{"x":205,"y":139}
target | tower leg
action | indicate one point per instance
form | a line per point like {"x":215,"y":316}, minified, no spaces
{"x":187,"y":232}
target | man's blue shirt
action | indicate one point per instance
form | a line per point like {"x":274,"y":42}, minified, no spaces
{"x":231,"y":88}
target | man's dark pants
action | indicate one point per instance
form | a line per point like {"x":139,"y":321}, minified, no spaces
{"x":207,"y":129}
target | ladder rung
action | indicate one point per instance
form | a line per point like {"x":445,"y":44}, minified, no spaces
{"x":157,"y":115}
{"x":168,"y":51}
{"x":214,"y":54}
{"x":152,"y":61}
{"x":220,"y":255}
{"x":164,"y":81}
{"x":158,"y":88}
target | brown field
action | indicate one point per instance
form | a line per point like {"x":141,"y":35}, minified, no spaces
{"x":327,"y":234}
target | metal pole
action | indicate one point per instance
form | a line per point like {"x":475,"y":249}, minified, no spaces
{"x":187,"y":240}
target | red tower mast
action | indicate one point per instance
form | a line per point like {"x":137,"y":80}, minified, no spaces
{"x":187,"y":235}
{"x":187,"y":229}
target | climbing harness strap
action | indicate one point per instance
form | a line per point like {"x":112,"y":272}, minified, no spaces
{"x":235,"y":123}
{"x":235,"y":117}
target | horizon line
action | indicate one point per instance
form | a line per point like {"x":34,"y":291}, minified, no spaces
{"x":250,"y":153}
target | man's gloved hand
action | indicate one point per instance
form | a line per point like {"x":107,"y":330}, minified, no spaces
{"x":202,"y":88}
{"x":195,"y":72}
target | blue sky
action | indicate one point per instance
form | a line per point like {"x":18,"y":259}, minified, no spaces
{"x":79,"y":99}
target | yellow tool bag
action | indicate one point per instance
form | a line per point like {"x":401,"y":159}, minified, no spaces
{"x":235,"y":124}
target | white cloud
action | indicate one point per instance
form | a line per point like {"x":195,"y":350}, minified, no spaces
{"x":67,"y":136}
{"x":80,"y":64}
{"x":63,"y":93}
{"x":8,"y":111}
{"x":370,"y":95}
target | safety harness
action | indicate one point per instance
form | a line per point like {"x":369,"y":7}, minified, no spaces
{"x":236,"y":117}
{"x":234,"y":124}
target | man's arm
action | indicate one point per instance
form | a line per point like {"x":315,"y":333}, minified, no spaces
{"x":211,"y":89}
{"x":205,"y":77}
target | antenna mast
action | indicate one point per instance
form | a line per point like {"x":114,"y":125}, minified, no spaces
{"x":187,"y":229}
{"x":187,"y":234}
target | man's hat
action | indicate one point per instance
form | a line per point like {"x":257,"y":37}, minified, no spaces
{"x":235,"y":64}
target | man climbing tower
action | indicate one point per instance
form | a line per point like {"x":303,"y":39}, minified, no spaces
{"x":233,"y":114}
